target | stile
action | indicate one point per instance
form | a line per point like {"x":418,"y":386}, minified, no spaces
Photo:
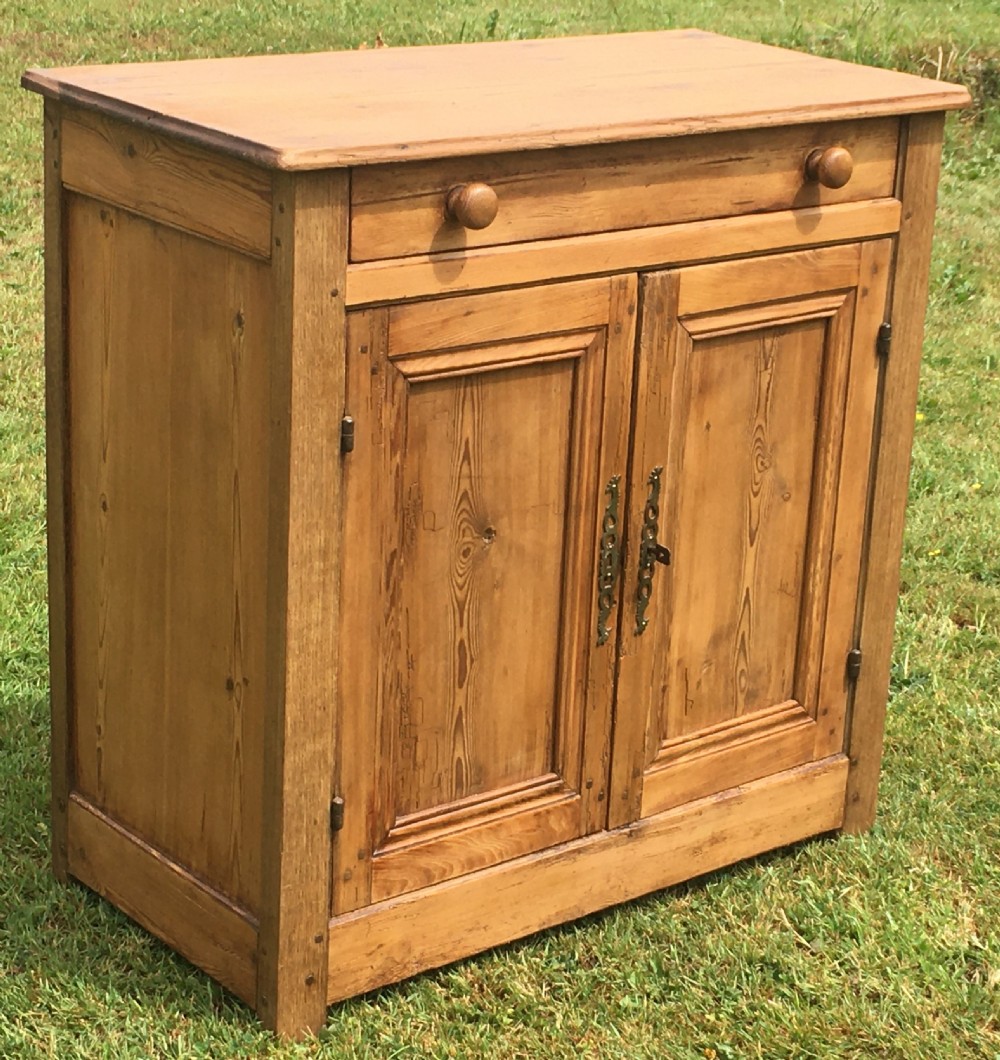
{"x":57,"y":479}
{"x":920,"y":168}
{"x":307,"y":401}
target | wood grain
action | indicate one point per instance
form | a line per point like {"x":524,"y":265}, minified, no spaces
{"x":156,"y":177}
{"x":852,"y":496}
{"x":744,"y":402}
{"x":371,"y":486}
{"x":479,"y":319}
{"x":471,"y":647}
{"x":57,"y":479}
{"x":894,"y":439}
{"x":638,"y":685}
{"x":729,"y":284}
{"x":751,"y":747}
{"x":303,"y":569}
{"x":393,"y":104}
{"x":456,"y":272}
{"x":476,"y":721}
{"x":191,"y":917}
{"x":736,"y":521}
{"x":408,"y":935}
{"x":168,"y":417}
{"x":398,"y":210}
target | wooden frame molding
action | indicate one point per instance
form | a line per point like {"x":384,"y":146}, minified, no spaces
{"x":464,"y":916}
{"x":656,"y":247}
{"x":57,"y":481}
{"x":150,"y":175}
{"x":307,"y":394}
{"x":895,"y":419}
{"x":188,"y":915}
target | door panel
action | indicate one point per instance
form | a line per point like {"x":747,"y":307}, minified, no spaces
{"x":476,"y":699}
{"x":746,"y":446}
{"x":754,"y":410}
{"x":465,"y":583}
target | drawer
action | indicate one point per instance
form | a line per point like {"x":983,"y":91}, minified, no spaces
{"x":399,"y":210}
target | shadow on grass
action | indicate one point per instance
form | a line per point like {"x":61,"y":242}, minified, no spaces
{"x":61,"y":945}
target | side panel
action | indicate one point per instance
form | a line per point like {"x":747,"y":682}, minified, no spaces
{"x":186,"y":187}
{"x":306,"y":405}
{"x":168,"y":340}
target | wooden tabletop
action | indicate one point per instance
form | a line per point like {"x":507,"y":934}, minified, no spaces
{"x":391,"y":104}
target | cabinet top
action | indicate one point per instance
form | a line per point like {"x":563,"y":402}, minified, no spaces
{"x":392,"y":104}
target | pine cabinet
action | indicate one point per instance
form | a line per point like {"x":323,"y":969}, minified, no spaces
{"x":461,"y":495}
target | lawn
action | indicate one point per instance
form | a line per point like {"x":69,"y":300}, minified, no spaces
{"x":881,"y":945}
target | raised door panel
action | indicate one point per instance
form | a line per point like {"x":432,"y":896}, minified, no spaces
{"x":476,"y":698}
{"x":754,"y":417}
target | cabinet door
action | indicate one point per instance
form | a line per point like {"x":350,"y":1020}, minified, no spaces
{"x":476,"y":700}
{"x":756,"y":388}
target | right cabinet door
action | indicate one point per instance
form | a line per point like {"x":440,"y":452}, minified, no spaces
{"x":755,"y":401}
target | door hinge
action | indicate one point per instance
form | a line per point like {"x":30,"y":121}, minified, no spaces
{"x":853,"y":664}
{"x":347,"y":434}
{"x":884,"y":340}
{"x":336,"y":814}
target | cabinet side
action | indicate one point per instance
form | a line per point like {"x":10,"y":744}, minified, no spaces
{"x":307,"y":395}
{"x":159,"y":417}
{"x":56,"y":475}
{"x":920,"y":168}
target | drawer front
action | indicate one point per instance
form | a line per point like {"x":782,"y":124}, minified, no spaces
{"x":399,"y":210}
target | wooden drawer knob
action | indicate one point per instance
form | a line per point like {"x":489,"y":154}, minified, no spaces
{"x":832,"y":167}
{"x":472,"y":205}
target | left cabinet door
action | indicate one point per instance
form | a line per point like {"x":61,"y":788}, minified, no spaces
{"x":480,"y":530}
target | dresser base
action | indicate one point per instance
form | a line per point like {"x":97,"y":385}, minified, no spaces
{"x":425,"y":929}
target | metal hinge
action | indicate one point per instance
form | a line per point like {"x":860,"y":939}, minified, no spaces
{"x":336,"y":814}
{"x":884,"y":340}
{"x":853,"y":664}
{"x":347,"y":434}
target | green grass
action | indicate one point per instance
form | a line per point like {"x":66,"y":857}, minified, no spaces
{"x":883,"y":945}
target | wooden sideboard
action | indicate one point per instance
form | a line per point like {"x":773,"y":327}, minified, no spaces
{"x":463,"y":464}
